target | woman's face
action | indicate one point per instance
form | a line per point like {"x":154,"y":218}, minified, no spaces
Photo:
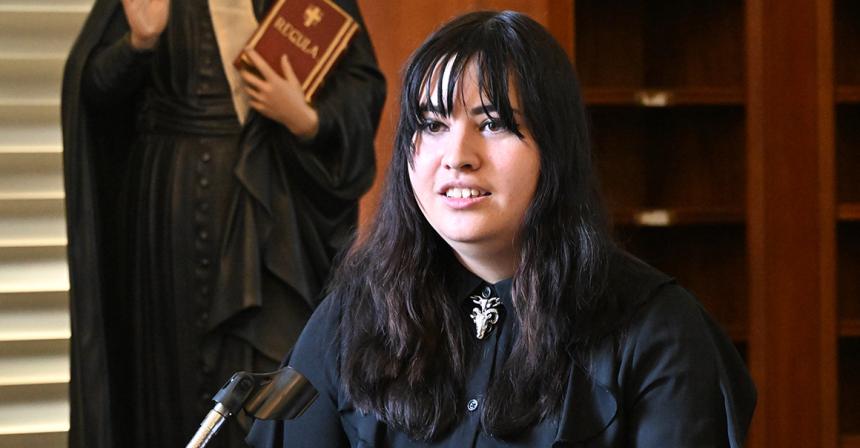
{"x":473,"y":178}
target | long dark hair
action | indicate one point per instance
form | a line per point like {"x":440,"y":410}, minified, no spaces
{"x":404,"y":346}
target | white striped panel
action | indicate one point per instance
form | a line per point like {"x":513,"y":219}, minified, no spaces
{"x":32,"y":223}
{"x":34,"y":362}
{"x":30,"y":125}
{"x":34,"y":408}
{"x":35,"y":440}
{"x":58,"y":5}
{"x":30,"y":316}
{"x":28,"y":79}
{"x":35,"y":36}
{"x":31,"y":173}
{"x":24,"y":32}
{"x":33,"y":269}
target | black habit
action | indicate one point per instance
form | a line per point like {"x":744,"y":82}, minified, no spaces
{"x":197,"y":247}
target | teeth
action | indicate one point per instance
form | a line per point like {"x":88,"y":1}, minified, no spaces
{"x":462,"y":193}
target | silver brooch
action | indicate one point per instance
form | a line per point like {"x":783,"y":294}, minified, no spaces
{"x":486,"y":314}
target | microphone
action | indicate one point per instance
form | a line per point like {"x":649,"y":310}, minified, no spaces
{"x":280,"y":395}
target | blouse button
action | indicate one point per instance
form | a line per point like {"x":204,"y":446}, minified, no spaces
{"x":486,"y":292}
{"x":472,"y":405}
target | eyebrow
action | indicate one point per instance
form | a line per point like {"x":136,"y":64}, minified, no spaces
{"x":481,"y":110}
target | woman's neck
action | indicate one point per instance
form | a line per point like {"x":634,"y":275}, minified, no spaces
{"x":491,"y":267}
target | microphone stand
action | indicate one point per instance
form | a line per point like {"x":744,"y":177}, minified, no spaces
{"x":280,"y":395}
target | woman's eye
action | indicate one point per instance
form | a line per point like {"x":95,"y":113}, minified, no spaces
{"x":493,"y":125}
{"x":432,"y":126}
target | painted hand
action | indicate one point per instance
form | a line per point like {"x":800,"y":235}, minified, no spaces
{"x":280,"y":98}
{"x":146,"y":20}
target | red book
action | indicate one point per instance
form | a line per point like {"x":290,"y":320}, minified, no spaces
{"x":312,"y":33}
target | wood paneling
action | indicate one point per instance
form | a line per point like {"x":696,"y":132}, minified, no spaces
{"x":792,"y":347}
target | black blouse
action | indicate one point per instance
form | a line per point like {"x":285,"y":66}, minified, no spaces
{"x":668,"y":377}
{"x":488,"y":357}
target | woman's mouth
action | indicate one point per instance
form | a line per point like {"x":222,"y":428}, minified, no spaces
{"x":464,"y":193}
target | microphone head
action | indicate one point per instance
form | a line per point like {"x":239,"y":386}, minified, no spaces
{"x":240,"y":386}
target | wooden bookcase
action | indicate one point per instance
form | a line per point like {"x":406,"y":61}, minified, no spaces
{"x":846,"y":48}
{"x":715,"y":149}
{"x":664,"y":83}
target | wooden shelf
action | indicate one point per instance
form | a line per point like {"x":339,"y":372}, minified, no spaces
{"x":704,"y":96}
{"x":659,"y":44}
{"x":849,"y":387}
{"x":848,"y":94}
{"x":680,"y":216}
{"x":848,"y":212}
{"x":849,"y":441}
{"x":668,"y":121}
{"x":849,"y":328}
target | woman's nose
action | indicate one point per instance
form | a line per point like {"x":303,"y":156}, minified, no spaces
{"x":462,"y":151}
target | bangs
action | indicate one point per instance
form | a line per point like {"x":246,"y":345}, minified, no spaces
{"x":431,"y":81}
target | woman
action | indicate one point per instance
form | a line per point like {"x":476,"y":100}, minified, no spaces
{"x":201,"y":232}
{"x":487,"y":306}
